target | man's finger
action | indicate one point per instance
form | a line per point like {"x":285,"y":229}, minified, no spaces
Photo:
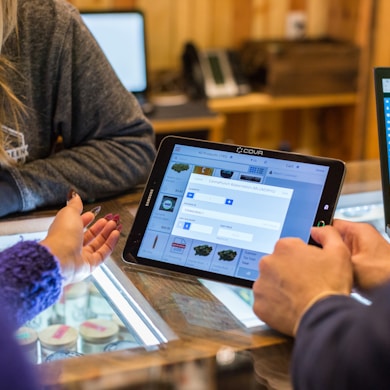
{"x":326,"y":236}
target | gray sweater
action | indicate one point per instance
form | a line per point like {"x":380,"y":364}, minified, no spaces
{"x":69,"y":90}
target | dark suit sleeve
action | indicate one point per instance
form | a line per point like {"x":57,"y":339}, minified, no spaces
{"x":344,"y":344}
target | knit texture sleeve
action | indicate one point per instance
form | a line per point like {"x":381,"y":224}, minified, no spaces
{"x":30,"y":280}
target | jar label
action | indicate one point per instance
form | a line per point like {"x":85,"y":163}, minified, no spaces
{"x":97,"y":327}
{"x":60,"y":332}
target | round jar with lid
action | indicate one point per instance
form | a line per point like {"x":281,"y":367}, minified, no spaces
{"x":96,"y":333}
{"x":57,"y":338}
{"x":28,"y":340}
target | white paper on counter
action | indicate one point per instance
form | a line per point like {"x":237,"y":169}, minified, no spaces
{"x":12,"y":232}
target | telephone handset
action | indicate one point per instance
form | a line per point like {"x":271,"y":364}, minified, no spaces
{"x":213,"y":72}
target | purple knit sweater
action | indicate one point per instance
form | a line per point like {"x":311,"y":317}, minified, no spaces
{"x":30,"y":280}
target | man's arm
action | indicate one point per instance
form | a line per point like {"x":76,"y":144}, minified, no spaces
{"x":344,"y":344}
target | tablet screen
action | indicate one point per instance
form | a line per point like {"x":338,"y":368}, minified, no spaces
{"x":214,"y":210}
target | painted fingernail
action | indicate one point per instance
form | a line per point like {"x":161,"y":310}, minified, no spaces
{"x":96,"y":210}
{"x":119,"y":227}
{"x":109,"y":217}
{"x":71,"y":194}
{"x":116,"y":218}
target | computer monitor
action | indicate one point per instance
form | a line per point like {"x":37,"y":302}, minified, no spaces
{"x":382,"y":94}
{"x":121,"y":35}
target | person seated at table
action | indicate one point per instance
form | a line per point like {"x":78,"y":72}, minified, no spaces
{"x":66,"y":121}
{"x":32,"y":276}
{"x":305,"y":291}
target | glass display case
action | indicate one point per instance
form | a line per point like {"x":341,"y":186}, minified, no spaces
{"x":96,"y":315}
{"x":84,"y":322}
{"x":106,"y":312}
{"x":101,"y":314}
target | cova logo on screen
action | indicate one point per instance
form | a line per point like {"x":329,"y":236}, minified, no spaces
{"x":254,"y":152}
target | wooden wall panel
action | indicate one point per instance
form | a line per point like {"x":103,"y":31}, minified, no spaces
{"x":268,"y":18}
{"x":159,"y":31}
{"x":225,"y":23}
{"x":343,"y":18}
{"x":215,"y":23}
{"x":317,"y":18}
{"x":102,"y":4}
{"x":298,"y":5}
{"x":242,"y":21}
{"x":92,"y":4}
{"x":277,"y":18}
{"x":201,"y":22}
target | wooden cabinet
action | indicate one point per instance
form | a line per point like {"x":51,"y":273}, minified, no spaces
{"x":336,"y":128}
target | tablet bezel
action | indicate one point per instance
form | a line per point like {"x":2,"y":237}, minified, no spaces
{"x":324,"y":216}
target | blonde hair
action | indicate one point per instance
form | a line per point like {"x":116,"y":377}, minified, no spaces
{"x":10,"y":105}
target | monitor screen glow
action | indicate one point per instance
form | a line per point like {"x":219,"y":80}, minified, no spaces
{"x":121,"y":35}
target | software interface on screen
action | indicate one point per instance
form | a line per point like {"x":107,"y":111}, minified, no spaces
{"x":221,"y":212}
{"x":121,"y":37}
{"x":386,"y":113}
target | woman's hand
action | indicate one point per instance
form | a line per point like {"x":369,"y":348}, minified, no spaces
{"x":79,"y":252}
